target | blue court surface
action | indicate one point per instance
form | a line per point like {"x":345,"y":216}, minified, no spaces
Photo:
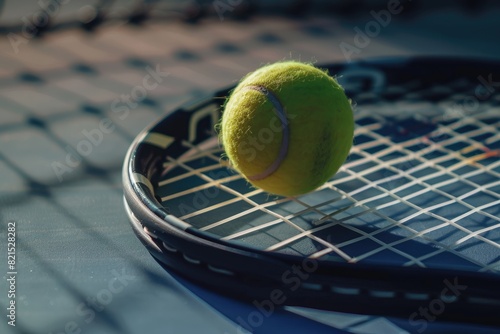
{"x":75,"y":92}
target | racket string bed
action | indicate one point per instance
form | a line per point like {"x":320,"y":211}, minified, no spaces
{"x":428,"y":188}
{"x":414,"y":208}
{"x":398,"y":200}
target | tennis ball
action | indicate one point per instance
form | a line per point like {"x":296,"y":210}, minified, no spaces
{"x":287,"y":128}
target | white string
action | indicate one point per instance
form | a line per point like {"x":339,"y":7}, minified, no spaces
{"x":382,"y":200}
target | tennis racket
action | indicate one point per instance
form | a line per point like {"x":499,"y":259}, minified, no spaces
{"x":409,"y":227}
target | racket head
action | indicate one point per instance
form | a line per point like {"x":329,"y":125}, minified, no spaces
{"x":414,"y":207}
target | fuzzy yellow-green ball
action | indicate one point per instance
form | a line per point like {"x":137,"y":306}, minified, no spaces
{"x":287,"y":128}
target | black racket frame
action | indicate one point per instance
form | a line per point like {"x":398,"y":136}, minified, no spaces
{"x":258,"y":276}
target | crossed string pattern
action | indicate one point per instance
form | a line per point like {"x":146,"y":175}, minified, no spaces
{"x":413,"y":192}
